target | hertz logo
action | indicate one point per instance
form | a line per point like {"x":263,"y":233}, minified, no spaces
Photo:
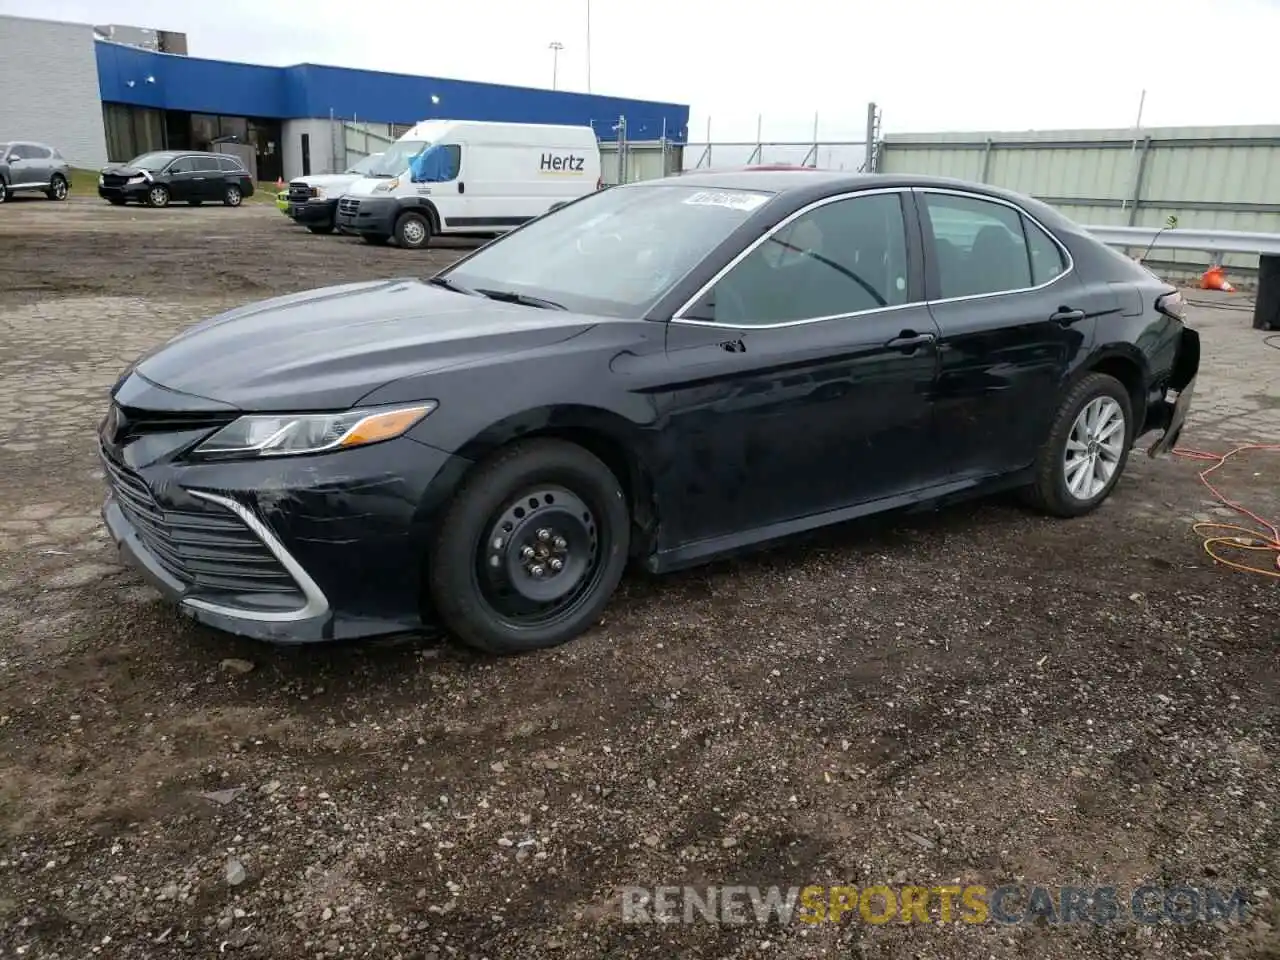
{"x":550,"y":163}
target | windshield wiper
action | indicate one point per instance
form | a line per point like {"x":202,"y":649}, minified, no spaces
{"x":510,"y":296}
{"x":454,"y":286}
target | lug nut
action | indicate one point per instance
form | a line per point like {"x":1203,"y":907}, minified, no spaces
{"x":527,"y":553}
{"x":544,"y":534}
{"x":556,"y":564}
{"x":560,"y":543}
{"x":537,"y":570}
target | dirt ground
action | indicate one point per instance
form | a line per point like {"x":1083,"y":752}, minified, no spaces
{"x":972,"y":696}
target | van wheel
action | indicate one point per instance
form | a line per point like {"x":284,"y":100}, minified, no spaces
{"x":530,"y":549}
{"x":413,"y":231}
{"x":232,"y":196}
{"x":158,"y":195}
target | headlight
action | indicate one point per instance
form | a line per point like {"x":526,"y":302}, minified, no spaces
{"x":317,"y":193}
{"x":138,"y":179}
{"x":102,"y":181}
{"x":386,"y":186}
{"x":277,"y":435}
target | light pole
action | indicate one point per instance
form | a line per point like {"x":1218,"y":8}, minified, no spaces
{"x":555,"y":46}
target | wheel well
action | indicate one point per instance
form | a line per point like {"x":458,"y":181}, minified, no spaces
{"x":1129,"y":374}
{"x":427,"y":210}
{"x":626,"y":466}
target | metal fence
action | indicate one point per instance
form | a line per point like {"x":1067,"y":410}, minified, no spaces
{"x":1210,"y":178}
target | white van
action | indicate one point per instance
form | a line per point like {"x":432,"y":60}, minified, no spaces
{"x":451,"y":177}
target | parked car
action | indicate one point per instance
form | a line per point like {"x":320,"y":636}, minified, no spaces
{"x":27,"y":167}
{"x":665,"y":371}
{"x":183,"y":175}
{"x":313,"y":200}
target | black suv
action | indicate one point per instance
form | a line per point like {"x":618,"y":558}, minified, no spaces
{"x":157,"y":178}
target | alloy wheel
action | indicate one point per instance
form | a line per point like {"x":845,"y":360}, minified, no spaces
{"x":59,"y":189}
{"x":1094,"y":448}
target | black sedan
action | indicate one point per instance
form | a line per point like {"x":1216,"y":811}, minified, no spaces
{"x":662,"y":372}
{"x":183,"y":175}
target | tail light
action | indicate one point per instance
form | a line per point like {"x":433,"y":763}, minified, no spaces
{"x":1172,"y":305}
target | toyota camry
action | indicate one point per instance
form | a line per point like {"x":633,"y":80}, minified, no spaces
{"x":659,"y":373}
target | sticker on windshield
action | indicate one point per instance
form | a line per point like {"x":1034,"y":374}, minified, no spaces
{"x":733,"y":199}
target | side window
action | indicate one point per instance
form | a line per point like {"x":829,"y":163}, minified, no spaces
{"x":840,"y":258}
{"x":1047,"y":261}
{"x":453,"y":161}
{"x":182,"y":165}
{"x":979,"y":245}
{"x":40,"y":153}
{"x":230,"y":165}
{"x":21,"y":151}
{"x":205,"y":164}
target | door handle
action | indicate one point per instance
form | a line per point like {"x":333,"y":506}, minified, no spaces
{"x":1065,"y":315}
{"x":908,"y":340}
{"x":462,"y":187}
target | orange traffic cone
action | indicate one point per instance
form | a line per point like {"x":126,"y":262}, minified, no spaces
{"x":1215,"y":279}
{"x":279,"y":183}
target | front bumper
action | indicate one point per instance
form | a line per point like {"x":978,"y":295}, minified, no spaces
{"x":319,"y":548}
{"x":313,"y":212}
{"x":129,"y":191}
{"x":375,"y":216}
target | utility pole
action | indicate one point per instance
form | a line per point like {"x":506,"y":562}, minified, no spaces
{"x":555,"y":46}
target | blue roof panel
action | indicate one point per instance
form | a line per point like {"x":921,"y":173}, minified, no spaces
{"x":143,"y":78}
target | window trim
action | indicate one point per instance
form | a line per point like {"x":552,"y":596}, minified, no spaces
{"x":928,"y":239}
{"x":907,"y":216}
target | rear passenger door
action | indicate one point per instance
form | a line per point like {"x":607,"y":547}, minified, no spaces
{"x":1012,"y":315}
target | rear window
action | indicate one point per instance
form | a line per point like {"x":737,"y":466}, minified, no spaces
{"x":230,"y":165}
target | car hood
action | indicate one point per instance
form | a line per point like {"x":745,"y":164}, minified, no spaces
{"x":328,"y":348}
{"x":329,"y":181}
{"x":122,"y":171}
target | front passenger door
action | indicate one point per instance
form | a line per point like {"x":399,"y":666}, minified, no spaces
{"x":803,"y":378}
{"x":181,"y":180}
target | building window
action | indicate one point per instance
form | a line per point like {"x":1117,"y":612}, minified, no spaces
{"x":132,"y":131}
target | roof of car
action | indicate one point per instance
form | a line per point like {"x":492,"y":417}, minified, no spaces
{"x":817,"y":182}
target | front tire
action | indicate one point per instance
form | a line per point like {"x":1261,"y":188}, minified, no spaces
{"x":531,"y":548}
{"x":232,"y":196}
{"x":1087,"y":448}
{"x":158,"y":196}
{"x":57,"y":187}
{"x":413,"y":231}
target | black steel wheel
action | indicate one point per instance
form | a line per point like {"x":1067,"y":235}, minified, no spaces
{"x":531,"y":548}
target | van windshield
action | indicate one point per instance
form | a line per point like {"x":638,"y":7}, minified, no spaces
{"x":613,"y":253}
{"x":364,"y":164}
{"x":150,"y":161}
{"x":396,"y":160}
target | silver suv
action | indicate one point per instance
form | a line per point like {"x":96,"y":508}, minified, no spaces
{"x":27,"y":167}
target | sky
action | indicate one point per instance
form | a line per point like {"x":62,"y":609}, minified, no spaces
{"x":931,"y":65}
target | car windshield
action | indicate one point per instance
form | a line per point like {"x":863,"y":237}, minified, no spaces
{"x":613,"y":253}
{"x":4,"y":148}
{"x":397,"y":158}
{"x":364,"y":165}
{"x":150,"y":161}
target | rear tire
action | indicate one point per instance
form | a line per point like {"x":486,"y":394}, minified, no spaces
{"x":4,"y":191}
{"x":413,"y":231}
{"x":540,"y":503}
{"x":1085,"y":453}
{"x":232,"y":196}
{"x":57,"y":187}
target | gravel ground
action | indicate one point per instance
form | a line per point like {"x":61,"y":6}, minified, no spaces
{"x":972,"y":696}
